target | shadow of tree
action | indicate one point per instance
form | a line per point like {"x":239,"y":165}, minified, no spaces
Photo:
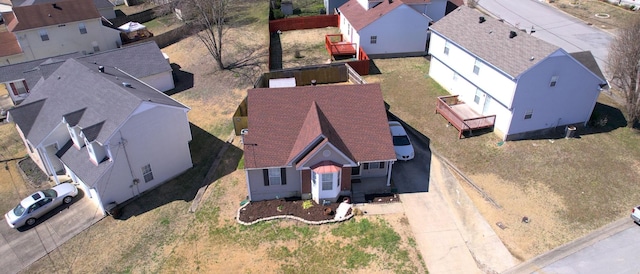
{"x":204,"y":149}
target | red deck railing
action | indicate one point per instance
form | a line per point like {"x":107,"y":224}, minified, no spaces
{"x":445,"y":108}
{"x":336,"y":45}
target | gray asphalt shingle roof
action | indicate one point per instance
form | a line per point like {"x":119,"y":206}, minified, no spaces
{"x":490,"y":41}
{"x":139,"y":60}
{"x":78,"y":85}
{"x":77,"y":160}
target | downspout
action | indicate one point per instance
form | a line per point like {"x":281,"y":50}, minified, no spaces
{"x":123,"y":142}
{"x":389,"y":173}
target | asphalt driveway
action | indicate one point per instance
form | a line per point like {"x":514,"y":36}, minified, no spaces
{"x":21,"y":247}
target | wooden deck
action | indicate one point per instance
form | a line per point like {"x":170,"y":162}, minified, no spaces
{"x":461,"y":116}
{"x":336,"y":46}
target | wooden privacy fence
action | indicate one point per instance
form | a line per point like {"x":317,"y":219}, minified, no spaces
{"x":323,"y":74}
{"x":307,"y":22}
{"x":362,"y":64}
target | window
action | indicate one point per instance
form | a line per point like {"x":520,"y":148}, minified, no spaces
{"x":327,"y":181}
{"x":374,"y":39}
{"x":274,"y":176}
{"x":82,"y":28}
{"x":529,"y":114}
{"x":446,"y":48}
{"x":476,"y":98}
{"x":19,"y":87}
{"x":147,"y":173}
{"x":374,"y":165}
{"x":476,"y":67}
{"x":554,"y":81}
{"x":44,"y":35}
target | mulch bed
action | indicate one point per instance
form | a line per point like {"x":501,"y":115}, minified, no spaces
{"x":263,"y":209}
{"x":34,"y":174}
{"x":382,"y":198}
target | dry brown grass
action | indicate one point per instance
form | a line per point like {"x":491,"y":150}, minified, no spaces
{"x":587,"y":9}
{"x":567,"y":187}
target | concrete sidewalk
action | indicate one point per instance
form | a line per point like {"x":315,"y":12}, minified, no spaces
{"x":452,"y":235}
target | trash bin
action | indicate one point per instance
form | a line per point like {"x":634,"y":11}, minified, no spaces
{"x":570,"y":132}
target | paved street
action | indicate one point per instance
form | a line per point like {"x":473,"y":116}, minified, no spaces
{"x":611,"y":249}
{"x":552,"y":26}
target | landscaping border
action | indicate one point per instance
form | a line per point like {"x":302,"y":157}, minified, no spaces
{"x":290,"y":217}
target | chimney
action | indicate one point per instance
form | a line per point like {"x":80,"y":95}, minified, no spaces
{"x":313,"y":82}
{"x":512,"y":34}
{"x":481,"y":19}
{"x":101,"y":69}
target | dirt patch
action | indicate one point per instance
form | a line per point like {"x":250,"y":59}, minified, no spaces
{"x":305,"y":209}
{"x":586,"y":10}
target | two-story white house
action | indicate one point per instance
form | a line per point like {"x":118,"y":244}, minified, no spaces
{"x":530,"y":86}
{"x":113,"y":135}
{"x":51,"y":29}
{"x":387,"y":28}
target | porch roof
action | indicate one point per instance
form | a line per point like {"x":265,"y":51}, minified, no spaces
{"x":326,"y":167}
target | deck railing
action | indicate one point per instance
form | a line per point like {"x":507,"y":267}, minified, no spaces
{"x":443,"y":107}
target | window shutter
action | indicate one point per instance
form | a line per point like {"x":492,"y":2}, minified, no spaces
{"x":381,"y":164}
{"x":24,"y":82}
{"x":265,"y":174}
{"x":13,"y":88}
{"x":283,"y":176}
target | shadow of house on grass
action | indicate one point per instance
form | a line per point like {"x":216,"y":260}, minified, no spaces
{"x":183,"y":80}
{"x":204,"y":149}
{"x":604,"y":118}
{"x":413,"y":176}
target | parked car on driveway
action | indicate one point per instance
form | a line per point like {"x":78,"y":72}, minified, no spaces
{"x":635,"y":214}
{"x":401,"y":142}
{"x":39,"y":203}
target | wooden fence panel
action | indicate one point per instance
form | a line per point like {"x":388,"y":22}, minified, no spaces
{"x":307,"y":22}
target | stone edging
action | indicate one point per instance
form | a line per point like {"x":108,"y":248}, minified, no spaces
{"x":289,"y":217}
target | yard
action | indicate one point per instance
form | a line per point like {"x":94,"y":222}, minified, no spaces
{"x":586,"y":10}
{"x":567,"y":187}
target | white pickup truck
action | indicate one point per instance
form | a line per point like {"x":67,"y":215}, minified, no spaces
{"x":635,"y":214}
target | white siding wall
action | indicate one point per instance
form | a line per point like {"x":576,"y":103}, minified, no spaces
{"x":570,"y":101}
{"x":348,"y":32}
{"x":59,"y":136}
{"x":67,"y":39}
{"x":261,"y":192}
{"x":162,"y":81}
{"x":402,"y":30}
{"x":158,"y":136}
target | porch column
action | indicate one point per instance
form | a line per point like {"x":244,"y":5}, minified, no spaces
{"x":45,"y":157}
{"x":389,"y":173}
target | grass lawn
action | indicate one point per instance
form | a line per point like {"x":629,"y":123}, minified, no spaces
{"x":567,"y":187}
{"x":157,"y":234}
{"x":587,"y":9}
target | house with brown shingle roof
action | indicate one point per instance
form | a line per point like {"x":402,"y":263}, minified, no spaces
{"x":494,"y":69}
{"x":389,"y":28}
{"x":50,"y":29}
{"x":312,"y":141}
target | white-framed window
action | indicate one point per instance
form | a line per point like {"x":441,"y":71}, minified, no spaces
{"x":374,"y":39}
{"x":446,"y":48}
{"x":554,"y":81}
{"x":476,"y":67}
{"x":44,"y":35}
{"x":327,"y":181}
{"x":476,"y":98}
{"x":82,"y":28}
{"x":374,"y":165}
{"x":529,"y":114}
{"x":147,"y":173}
{"x":275,"y":177}
{"x":19,"y":87}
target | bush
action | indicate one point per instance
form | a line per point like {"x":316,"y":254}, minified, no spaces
{"x":277,"y":14}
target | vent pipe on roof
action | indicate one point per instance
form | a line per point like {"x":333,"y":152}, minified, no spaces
{"x":101,"y":69}
{"x":512,"y":34}
{"x":481,"y":19}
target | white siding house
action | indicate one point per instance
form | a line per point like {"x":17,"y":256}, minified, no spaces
{"x":52,"y":29}
{"x":529,"y":85}
{"x":113,"y":135}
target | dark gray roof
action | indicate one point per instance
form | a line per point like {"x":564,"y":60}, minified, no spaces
{"x":100,"y":4}
{"x":587,"y":59}
{"x":78,"y":85}
{"x":490,"y":41}
{"x":139,"y":60}
{"x":76,"y":160}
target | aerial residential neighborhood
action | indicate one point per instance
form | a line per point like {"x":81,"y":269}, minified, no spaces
{"x":308,"y":136}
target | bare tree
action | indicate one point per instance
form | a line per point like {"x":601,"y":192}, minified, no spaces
{"x":210,"y":16}
{"x":623,"y":67}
